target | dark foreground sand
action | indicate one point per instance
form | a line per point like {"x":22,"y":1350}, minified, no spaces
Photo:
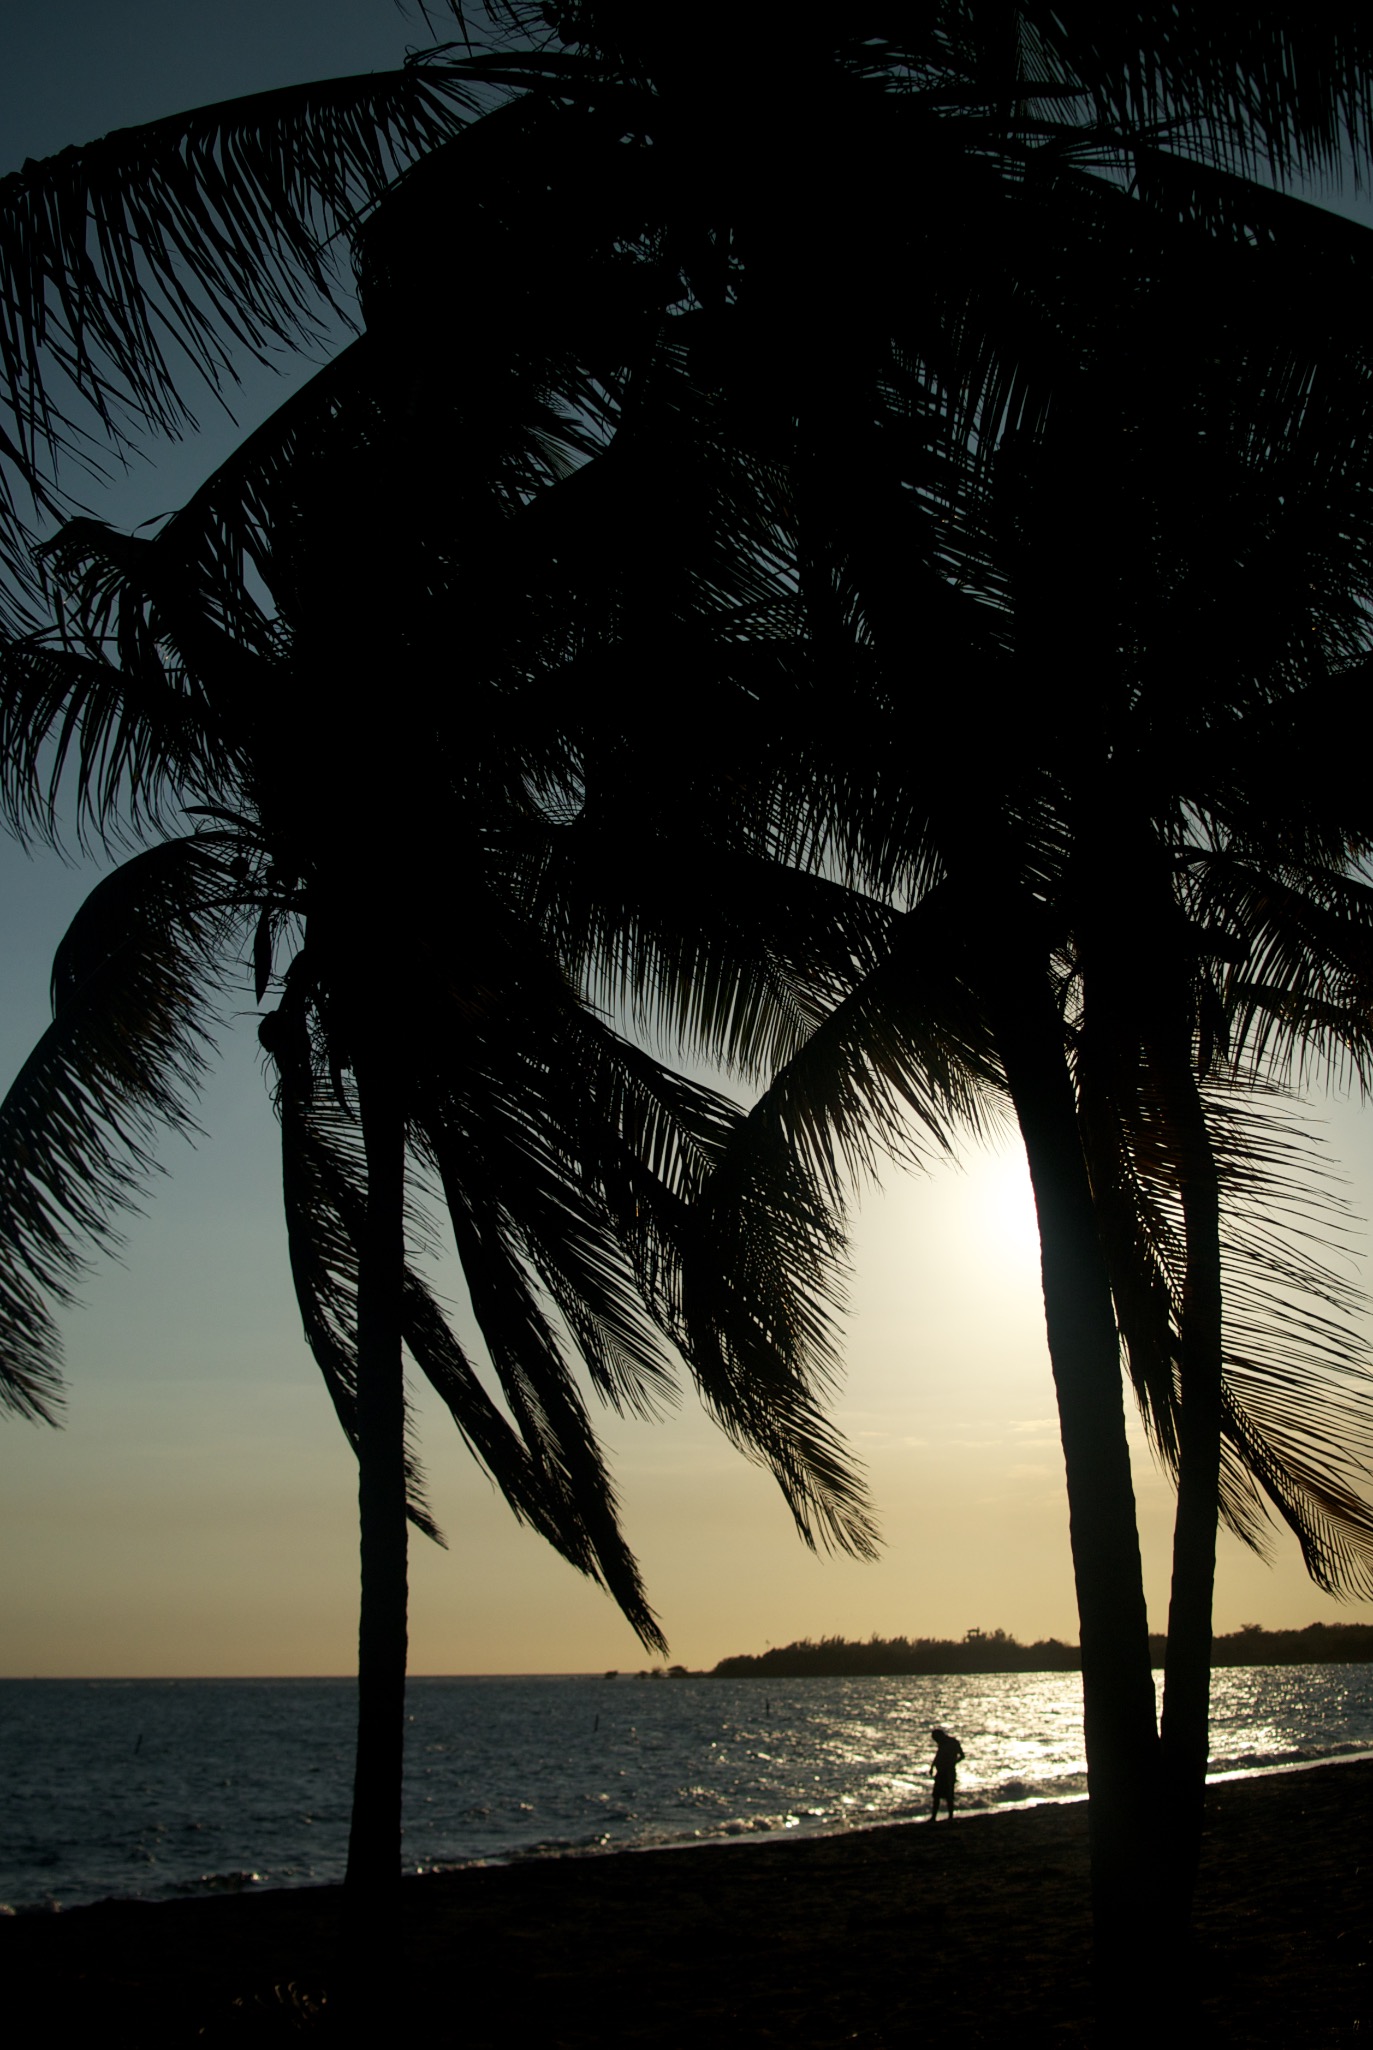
{"x":974,"y":1934}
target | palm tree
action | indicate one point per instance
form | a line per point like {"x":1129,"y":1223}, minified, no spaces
{"x":1244,"y":1346}
{"x":406,"y":1032}
{"x":1001,"y":876}
{"x":1228,"y":566}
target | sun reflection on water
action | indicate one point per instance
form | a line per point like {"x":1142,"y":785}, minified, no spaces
{"x":501,"y":1769}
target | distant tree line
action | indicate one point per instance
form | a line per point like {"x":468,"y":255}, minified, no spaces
{"x":991,"y":1651}
{"x":1319,"y":1644}
{"x":994,"y":1651}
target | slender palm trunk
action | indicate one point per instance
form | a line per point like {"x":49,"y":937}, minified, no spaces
{"x":1117,"y":1686}
{"x":373,"y":1871}
{"x":1187,"y":1670}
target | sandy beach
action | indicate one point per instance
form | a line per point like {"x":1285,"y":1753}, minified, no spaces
{"x":905,"y":1934}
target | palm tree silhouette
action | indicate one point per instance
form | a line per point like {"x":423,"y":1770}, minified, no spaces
{"x":1225,"y":572}
{"x":998,"y":870}
{"x":412,"y":1032}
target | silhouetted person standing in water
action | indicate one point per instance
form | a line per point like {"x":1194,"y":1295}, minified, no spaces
{"x":944,"y":1771}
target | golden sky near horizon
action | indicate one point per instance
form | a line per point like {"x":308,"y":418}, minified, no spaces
{"x":197,"y":1513}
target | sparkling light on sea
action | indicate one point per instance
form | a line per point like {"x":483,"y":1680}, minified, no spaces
{"x":156,"y":1788}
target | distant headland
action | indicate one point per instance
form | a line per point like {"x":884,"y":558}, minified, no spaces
{"x":995,"y":1651}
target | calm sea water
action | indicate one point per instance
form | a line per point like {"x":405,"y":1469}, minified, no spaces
{"x":155,"y":1788}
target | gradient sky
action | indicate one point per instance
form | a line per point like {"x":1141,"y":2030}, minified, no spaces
{"x":197,"y":1513}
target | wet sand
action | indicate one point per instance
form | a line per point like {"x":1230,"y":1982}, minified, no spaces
{"x":975,"y":1933}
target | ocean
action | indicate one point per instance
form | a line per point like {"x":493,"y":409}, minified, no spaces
{"x":156,"y":1788}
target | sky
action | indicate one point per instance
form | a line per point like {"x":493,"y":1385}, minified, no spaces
{"x":197,"y":1513}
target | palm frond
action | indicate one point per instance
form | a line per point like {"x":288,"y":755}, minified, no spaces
{"x":899,"y":1067}
{"x":135,"y":983}
{"x":548,"y":1466}
{"x":759,"y":1275}
{"x":1297,"y":1368}
{"x":1297,"y":992}
{"x":540,"y":1170}
{"x":1296,"y":1379}
{"x":535,"y":1378}
{"x":746,"y":1273}
{"x":714,"y":948}
{"x":1260,"y":88}
{"x":134,"y":739}
{"x":1277,"y":1447}
{"x":138,"y":595}
{"x":740,"y":1262}
{"x":194,"y":233}
{"x":144,"y":263}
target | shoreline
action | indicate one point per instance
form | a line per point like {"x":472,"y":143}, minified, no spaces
{"x":890,"y":1932}
{"x":743,"y":1838}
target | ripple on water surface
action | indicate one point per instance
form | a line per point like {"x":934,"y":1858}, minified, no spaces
{"x":175,"y":1787}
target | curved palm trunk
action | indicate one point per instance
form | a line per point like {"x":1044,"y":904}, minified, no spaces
{"x":1185,"y":1746}
{"x":373,"y":1872}
{"x":1117,"y":1685}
